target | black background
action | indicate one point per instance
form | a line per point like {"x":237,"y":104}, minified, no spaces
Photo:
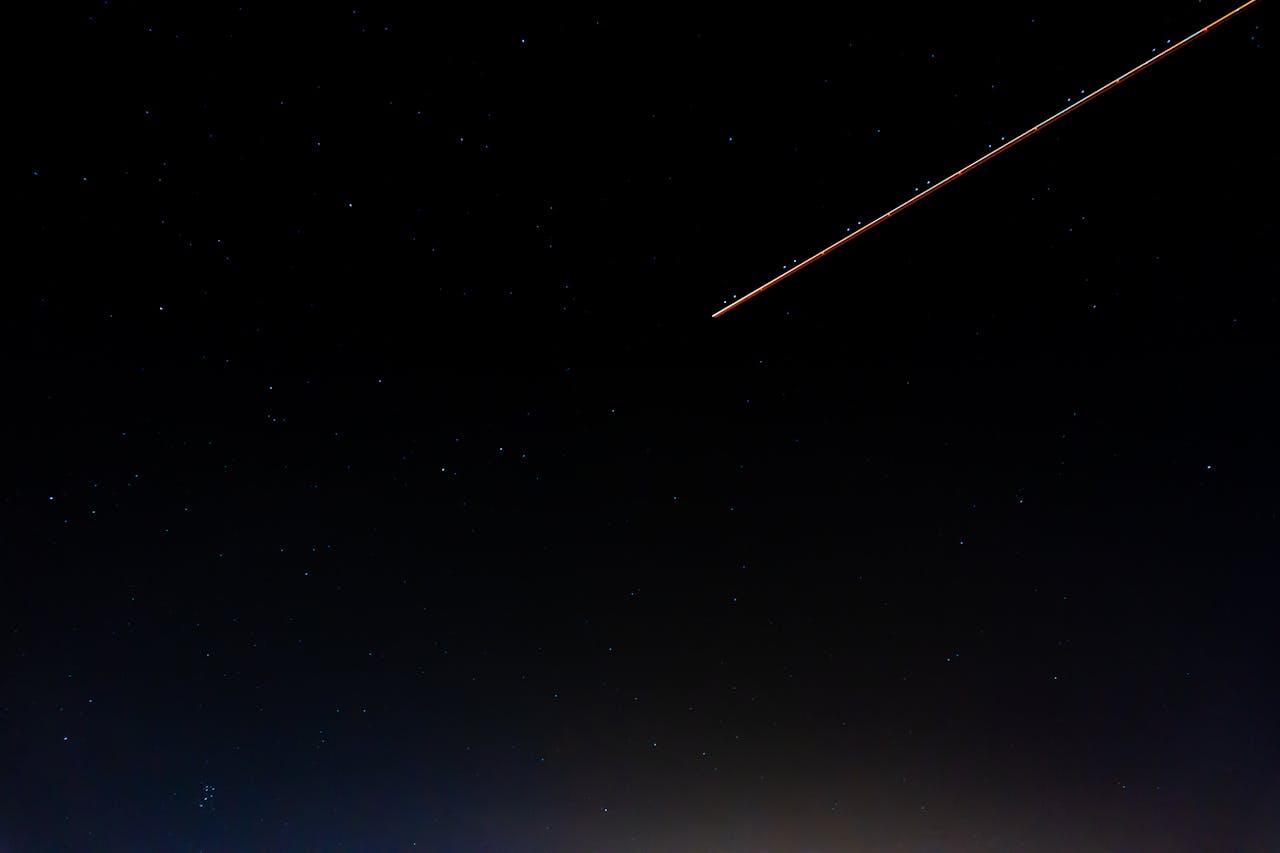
{"x":376,"y":476}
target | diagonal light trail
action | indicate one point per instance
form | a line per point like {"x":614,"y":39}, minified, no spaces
{"x":984,"y":158}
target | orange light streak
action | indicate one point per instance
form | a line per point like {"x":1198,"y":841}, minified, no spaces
{"x":984,"y":158}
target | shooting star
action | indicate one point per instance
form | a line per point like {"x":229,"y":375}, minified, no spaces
{"x":1031,"y":131}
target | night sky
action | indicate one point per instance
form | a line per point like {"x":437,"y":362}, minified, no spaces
{"x":377,"y":479}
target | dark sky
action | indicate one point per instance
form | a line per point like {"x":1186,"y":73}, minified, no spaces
{"x":376,"y":478}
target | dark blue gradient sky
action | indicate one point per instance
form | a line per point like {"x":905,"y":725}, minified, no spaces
{"x":377,"y":480}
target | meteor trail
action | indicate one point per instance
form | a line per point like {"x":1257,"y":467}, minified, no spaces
{"x":984,"y":158}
